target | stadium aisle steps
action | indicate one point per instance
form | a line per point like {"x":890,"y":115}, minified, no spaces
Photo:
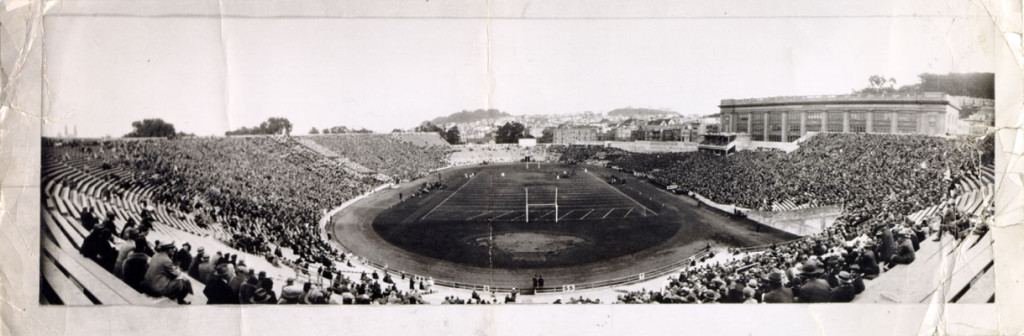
{"x":982,"y":288}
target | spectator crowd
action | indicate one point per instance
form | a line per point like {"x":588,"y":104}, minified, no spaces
{"x":268,"y":193}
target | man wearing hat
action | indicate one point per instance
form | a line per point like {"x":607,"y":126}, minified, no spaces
{"x":887,"y":247}
{"x":248,"y":289}
{"x":263,"y":296}
{"x":858,"y":281}
{"x":241,"y":277}
{"x":905,"y":250}
{"x":777,"y":293}
{"x":193,"y":268}
{"x":206,"y":269}
{"x":868,"y":263}
{"x":217,"y":289}
{"x":89,"y":220}
{"x":123,"y":250}
{"x":135,"y":264}
{"x":845,"y":291}
{"x":96,"y":246}
{"x":290,"y":292}
{"x":815,"y":289}
{"x":163,"y":278}
{"x":183,"y":258}
{"x":748,"y":296}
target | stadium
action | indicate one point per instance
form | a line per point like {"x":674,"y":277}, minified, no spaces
{"x":406,"y":218}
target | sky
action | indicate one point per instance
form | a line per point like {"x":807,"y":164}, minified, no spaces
{"x":207,"y":75}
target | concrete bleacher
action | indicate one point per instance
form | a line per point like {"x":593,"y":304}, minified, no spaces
{"x":72,"y":279}
{"x":954,"y":271}
{"x":70,"y":188}
{"x":948,"y":271}
{"x":330,"y":154}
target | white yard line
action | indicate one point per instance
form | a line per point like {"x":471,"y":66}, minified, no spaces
{"x":488,"y":211}
{"x":619,"y":191}
{"x":609,"y":213}
{"x":566,"y":214}
{"x":627,"y":212}
{"x":588,"y":213}
{"x":449,"y":196}
{"x":545,"y":215}
{"x":496,"y":217}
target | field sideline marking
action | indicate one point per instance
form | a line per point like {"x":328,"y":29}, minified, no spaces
{"x":449,"y":196}
{"x":619,"y":191}
{"x":487,"y":212}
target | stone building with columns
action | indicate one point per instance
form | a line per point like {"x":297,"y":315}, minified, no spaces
{"x":786,"y":119}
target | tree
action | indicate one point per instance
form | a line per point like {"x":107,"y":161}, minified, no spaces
{"x":151,"y":128}
{"x":427,"y":126}
{"x":313,"y":131}
{"x":967,"y":110}
{"x":397,"y":130}
{"x":547,"y":135}
{"x":453,"y":136}
{"x":977,"y":85}
{"x":274,"y":125}
{"x":510,"y":132}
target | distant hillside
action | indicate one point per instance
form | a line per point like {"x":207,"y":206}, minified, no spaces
{"x":470,"y":116}
{"x":638,"y":112}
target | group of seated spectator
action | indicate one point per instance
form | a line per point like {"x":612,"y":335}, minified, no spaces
{"x":259,"y":189}
{"x":500,"y":153}
{"x":160,"y":269}
{"x":827,"y":267}
{"x":267,"y":195}
{"x":879,"y":179}
{"x":390,"y":154}
{"x":578,"y":153}
{"x":867,"y":174}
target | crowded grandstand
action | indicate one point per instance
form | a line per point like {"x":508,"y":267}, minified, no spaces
{"x":240,"y":220}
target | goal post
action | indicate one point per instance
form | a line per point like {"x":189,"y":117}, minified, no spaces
{"x":528,"y":205}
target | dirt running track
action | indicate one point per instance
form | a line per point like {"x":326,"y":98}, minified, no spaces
{"x":353,"y":229}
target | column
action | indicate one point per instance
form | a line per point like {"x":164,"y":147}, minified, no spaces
{"x":846,"y":121}
{"x":824,"y":121}
{"x":765,"y":126}
{"x":893,"y":126}
{"x":803,"y":123}
{"x":868,"y":120}
{"x":785,"y":124}
{"x":750,"y":123}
